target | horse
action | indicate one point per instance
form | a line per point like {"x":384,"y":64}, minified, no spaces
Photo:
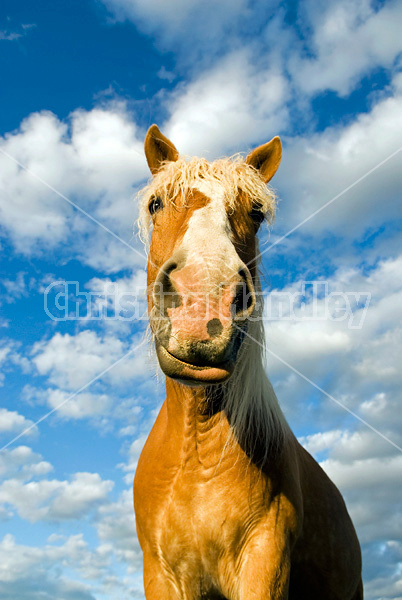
{"x":228,"y":504}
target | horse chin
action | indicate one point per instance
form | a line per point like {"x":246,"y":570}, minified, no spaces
{"x":190,"y":374}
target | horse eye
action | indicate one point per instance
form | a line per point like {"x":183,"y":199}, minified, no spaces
{"x":155,"y":205}
{"x":257,"y":216}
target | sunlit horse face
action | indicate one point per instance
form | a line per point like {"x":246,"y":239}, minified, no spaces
{"x":201,"y":269}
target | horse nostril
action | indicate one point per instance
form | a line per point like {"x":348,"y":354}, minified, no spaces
{"x":244,"y":299}
{"x":170,"y":267}
{"x":165,"y":293}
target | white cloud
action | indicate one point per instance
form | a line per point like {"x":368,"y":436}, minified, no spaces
{"x":363,"y":373}
{"x":21,"y":463}
{"x":81,"y":406}
{"x":54,"y":500}
{"x":317,"y":60}
{"x":97,"y":157}
{"x":124,"y":299}
{"x":29,"y":573}
{"x":375,"y":365}
{"x":134,"y":452}
{"x":12,"y":422}
{"x":385,"y":587}
{"x":38,"y":145}
{"x":372,"y":487}
{"x":59,"y":567}
{"x":341,"y":30}
{"x":357,"y":366}
{"x":71,"y":361}
{"x":5,"y":353}
{"x":94,"y":160}
{"x":11,"y":36}
{"x":64,"y":567}
{"x":204,"y":20}
{"x":163,"y":73}
{"x":367,"y":472}
{"x":319,"y":167}
{"x":8,"y":356}
{"x":228,"y":107}
{"x":16,"y":288}
{"x":116,"y":531}
{"x":345,"y":446}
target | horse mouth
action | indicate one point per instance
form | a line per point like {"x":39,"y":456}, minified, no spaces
{"x":193,"y":374}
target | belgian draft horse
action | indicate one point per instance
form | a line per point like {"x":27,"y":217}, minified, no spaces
{"x":228,"y":504}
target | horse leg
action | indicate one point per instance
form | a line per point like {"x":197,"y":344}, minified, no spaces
{"x":265,"y":573}
{"x":157,"y":583}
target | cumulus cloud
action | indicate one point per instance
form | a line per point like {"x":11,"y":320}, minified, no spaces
{"x":66,"y":567}
{"x":102,"y":365}
{"x":134,"y":452}
{"x":367,"y":473}
{"x":91,"y":570}
{"x":340,"y":30}
{"x":181,"y":21}
{"x":78,"y":406}
{"x":317,"y":168}
{"x":346,"y":446}
{"x":116,"y":531}
{"x":22,"y":464}
{"x":316,"y":60}
{"x":229,"y":106}
{"x":94,"y":160}
{"x":123,"y":299}
{"x":254,"y":91}
{"x":28,"y":572}
{"x":96,"y":157}
{"x":356,"y":365}
{"x":9,"y":356}
{"x":12,"y":422}
{"x":373,"y":491}
{"x":71,"y":361}
{"x":16,"y":288}
{"x":54,"y":500}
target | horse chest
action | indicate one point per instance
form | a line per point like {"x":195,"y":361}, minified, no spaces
{"x":205,"y":519}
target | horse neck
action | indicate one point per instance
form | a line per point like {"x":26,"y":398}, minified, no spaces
{"x":192,"y":407}
{"x":196,"y":421}
{"x":219,"y":423}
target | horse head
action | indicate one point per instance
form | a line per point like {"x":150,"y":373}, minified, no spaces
{"x":202,"y":275}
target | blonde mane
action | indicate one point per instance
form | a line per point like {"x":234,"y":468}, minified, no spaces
{"x":249,"y":400}
{"x":176,"y":178}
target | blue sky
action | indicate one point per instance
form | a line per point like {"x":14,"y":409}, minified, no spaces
{"x":80,"y":84}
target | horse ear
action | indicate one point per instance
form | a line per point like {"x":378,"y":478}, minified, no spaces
{"x":158,"y":149}
{"x":266,"y":158}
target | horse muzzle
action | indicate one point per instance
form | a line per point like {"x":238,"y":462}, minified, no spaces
{"x":199,"y":323}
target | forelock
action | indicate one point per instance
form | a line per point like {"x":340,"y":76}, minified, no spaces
{"x":233,"y":175}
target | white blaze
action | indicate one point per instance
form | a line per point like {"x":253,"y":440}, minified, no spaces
{"x":208,"y":239}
